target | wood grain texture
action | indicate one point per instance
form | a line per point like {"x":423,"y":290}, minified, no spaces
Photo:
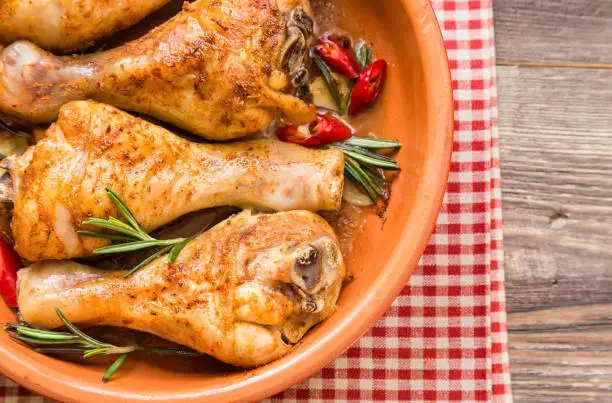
{"x":562,"y":354}
{"x":553,"y":31}
{"x":556,"y":152}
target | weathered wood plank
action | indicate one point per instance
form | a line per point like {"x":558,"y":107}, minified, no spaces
{"x":553,"y":31}
{"x":556,"y":150}
{"x":562,"y":354}
{"x":556,"y":157}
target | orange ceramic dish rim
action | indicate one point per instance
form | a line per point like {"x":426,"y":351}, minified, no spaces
{"x":277,"y":377}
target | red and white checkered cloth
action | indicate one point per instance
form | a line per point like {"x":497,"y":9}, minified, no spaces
{"x":444,"y":338}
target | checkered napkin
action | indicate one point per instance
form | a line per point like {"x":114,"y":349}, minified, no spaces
{"x":444,"y":338}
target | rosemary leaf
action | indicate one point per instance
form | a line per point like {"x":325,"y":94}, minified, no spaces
{"x":363,"y":54}
{"x":98,"y":222}
{"x":367,"y":142}
{"x":365,"y":167}
{"x":115,"y":221}
{"x":176,"y":249}
{"x":131,"y":246}
{"x":352,"y":172}
{"x":370,"y":182}
{"x":104,"y":235}
{"x":78,"y":332}
{"x":147,"y":260}
{"x":60,"y":350}
{"x":53,"y":342}
{"x":33,"y":340}
{"x":130,"y":237}
{"x":140,"y":234}
{"x":376,"y":162}
{"x":366,"y":152}
{"x":114,"y":367}
{"x":329,"y":79}
{"x":44,"y":334}
{"x":123,"y":209}
{"x":347,"y":102}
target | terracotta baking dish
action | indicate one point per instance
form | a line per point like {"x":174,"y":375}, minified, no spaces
{"x":416,"y":108}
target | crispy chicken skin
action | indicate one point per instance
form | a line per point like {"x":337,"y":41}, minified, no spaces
{"x":61,"y":181}
{"x":238,"y":292}
{"x":217,"y":69}
{"x":68,"y":25}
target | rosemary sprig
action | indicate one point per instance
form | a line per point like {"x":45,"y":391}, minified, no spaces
{"x":363,"y":165}
{"x":75,"y":341}
{"x":130,"y":236}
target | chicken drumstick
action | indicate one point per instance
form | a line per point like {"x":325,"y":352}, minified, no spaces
{"x":240,"y":292}
{"x":61,"y":181}
{"x":67,"y":25}
{"x":220,"y":69}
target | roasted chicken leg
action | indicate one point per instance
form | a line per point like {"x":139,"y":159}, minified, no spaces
{"x":67,"y":25}
{"x":218,"y":69}
{"x":238,"y":292}
{"x":61,"y":181}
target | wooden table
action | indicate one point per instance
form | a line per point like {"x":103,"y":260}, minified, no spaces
{"x":555,"y":102}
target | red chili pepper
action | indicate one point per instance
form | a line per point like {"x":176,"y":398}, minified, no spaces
{"x":368,"y":86}
{"x":9,"y":264}
{"x":324,"y":130}
{"x":338,"y":58}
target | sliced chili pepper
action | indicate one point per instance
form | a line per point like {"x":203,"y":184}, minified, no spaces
{"x":324,"y":130}
{"x":293,"y":134}
{"x":9,"y":264}
{"x":338,"y":58}
{"x":368,"y":86}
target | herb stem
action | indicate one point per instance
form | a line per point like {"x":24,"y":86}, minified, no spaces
{"x":134,"y":246}
{"x":53,"y":342}
{"x":129,"y":236}
{"x":363,"y":165}
{"x":147,"y":260}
